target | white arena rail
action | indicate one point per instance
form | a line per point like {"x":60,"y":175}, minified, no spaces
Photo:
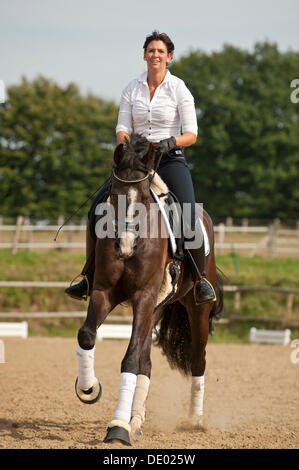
{"x":270,"y":336}
{"x":14,"y":329}
{"x":114,"y":332}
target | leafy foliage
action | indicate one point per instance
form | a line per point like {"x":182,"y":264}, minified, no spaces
{"x":246,"y":160}
{"x":53,"y":148}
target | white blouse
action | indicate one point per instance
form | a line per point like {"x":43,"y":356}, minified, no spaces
{"x":171,"y":110}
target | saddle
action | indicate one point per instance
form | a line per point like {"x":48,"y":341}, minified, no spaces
{"x":173,"y":219}
{"x":174,"y":225}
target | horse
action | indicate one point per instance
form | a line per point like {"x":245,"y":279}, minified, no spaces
{"x":131,"y":268}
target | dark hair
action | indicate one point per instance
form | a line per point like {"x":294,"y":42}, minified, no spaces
{"x":156,"y":36}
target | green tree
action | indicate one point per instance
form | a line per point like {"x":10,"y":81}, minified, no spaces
{"x":246,"y":160}
{"x":55,"y":148}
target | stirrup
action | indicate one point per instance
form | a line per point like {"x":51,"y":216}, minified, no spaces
{"x":84,"y":297}
{"x":194,"y":292}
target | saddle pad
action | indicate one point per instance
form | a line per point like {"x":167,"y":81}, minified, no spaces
{"x":169,"y":231}
{"x":165,"y":218}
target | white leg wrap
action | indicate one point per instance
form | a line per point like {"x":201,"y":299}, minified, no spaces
{"x":86,"y":375}
{"x":141,"y":391}
{"x":197,"y":394}
{"x":125,"y":397}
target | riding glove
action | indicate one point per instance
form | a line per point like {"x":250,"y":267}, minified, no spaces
{"x":165,"y":145}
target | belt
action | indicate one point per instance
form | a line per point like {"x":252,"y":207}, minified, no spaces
{"x":176,"y":152}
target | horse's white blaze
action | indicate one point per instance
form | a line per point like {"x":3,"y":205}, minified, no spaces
{"x":127,"y":237}
{"x":86,"y":377}
{"x":125,"y":397}
{"x":126,"y":243}
{"x":197,"y":395}
{"x":132,"y":196}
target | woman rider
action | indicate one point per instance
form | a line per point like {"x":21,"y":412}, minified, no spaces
{"x":159,"y":105}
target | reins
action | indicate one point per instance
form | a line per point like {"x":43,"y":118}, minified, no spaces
{"x":130,"y":181}
{"x":156,"y":167}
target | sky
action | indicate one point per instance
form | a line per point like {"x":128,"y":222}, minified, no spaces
{"x":98,"y":45}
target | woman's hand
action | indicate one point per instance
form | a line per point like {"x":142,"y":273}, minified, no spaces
{"x":165,"y":145}
{"x":121,"y":137}
{"x":184,"y":140}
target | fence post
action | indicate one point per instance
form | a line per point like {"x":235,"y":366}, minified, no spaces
{"x":237,"y":301}
{"x":29,"y":232}
{"x":16,"y":238}
{"x":60,"y":222}
{"x":70,"y":239}
{"x":277,"y":223}
{"x":271,"y":241}
{"x":221,"y":237}
{"x":229,"y":221}
{"x":289,"y":307}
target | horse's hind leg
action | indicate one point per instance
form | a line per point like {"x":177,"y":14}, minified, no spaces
{"x":87,"y":386}
{"x":199,"y":326}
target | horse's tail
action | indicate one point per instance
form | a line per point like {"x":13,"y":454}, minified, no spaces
{"x":217,"y":311}
{"x":172,"y":329}
{"x":173,"y":336}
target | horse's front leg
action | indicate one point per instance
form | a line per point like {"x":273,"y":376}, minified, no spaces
{"x":135,"y":371}
{"x":141,"y":390}
{"x":87,"y":386}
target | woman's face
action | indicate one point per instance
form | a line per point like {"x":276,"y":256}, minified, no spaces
{"x":157,"y":56}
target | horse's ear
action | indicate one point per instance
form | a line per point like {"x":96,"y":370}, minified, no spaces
{"x":118,"y":154}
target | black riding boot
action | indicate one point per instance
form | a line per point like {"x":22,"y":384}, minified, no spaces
{"x":82,"y":289}
{"x":203,"y":289}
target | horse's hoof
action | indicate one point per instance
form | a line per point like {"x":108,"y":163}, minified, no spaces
{"x":137,"y":433}
{"x":197,"y":422}
{"x":135,"y":424}
{"x":89,"y":396}
{"x":119,"y":434}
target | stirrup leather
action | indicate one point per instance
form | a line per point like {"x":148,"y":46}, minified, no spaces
{"x":84,"y":297}
{"x":194,"y":292}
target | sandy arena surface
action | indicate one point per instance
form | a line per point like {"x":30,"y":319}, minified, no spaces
{"x":251,"y":398}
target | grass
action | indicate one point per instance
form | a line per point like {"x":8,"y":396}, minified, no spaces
{"x":238,"y":332}
{"x":63,"y":266}
{"x":282,"y":272}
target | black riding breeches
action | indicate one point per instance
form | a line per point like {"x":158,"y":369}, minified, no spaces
{"x":174,"y":171}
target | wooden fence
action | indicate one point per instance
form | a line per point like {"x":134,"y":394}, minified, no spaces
{"x":273,"y":239}
{"x":238,"y":292}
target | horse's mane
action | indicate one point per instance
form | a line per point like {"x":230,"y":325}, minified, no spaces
{"x":134,"y":152}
